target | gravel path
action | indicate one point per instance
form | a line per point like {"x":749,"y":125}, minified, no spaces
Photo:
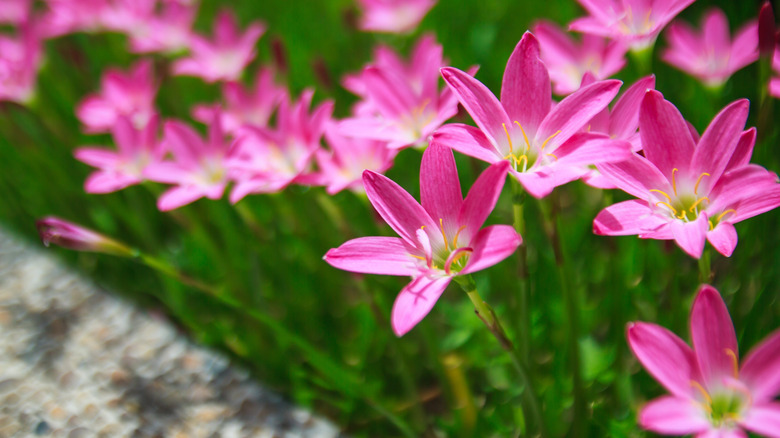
{"x":77,"y":362}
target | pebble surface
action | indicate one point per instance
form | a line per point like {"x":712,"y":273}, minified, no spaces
{"x":76,"y":362}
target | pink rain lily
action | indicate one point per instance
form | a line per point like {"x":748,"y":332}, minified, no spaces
{"x":20,"y":59}
{"x":710,"y":55}
{"x":198,"y":168}
{"x":225,"y":57}
{"x":711,"y":393}
{"x":68,"y":16}
{"x":546,"y":145}
{"x":128,"y":94}
{"x":633,"y":22}
{"x":245,"y":106}
{"x":568,"y":60}
{"x":69,"y":235}
{"x":440,"y":239}
{"x":136,"y":149}
{"x":342,"y":167}
{"x":153,"y":25}
{"x":393,"y":16}
{"x":266,"y":160}
{"x":15,"y":12}
{"x":689,"y":189}
{"x":402,"y":104}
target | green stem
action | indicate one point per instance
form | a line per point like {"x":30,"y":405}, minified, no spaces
{"x":524,"y":311}
{"x":705,"y":270}
{"x":493,"y":324}
{"x":250,"y":220}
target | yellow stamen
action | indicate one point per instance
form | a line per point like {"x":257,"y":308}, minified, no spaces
{"x":509,"y":138}
{"x":418,"y":257}
{"x":696,"y":187}
{"x":552,"y":155}
{"x":720,"y":216}
{"x":703,"y":391}
{"x":422,"y":227}
{"x":734,"y":361}
{"x":669,"y":206}
{"x":455,"y":239}
{"x":674,"y":184}
{"x":698,"y":201}
{"x":458,"y":257}
{"x":683,"y":216}
{"x":443,"y":234}
{"x":525,"y":137}
{"x":712,"y":227}
{"x":544,"y":143}
{"x":663,"y":193}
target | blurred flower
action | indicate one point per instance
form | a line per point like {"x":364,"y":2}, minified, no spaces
{"x":688,"y":190}
{"x":243,"y":105}
{"x":198,"y":168}
{"x":69,"y":235}
{"x":711,"y":56}
{"x":636,"y":23}
{"x":68,"y":16}
{"x":568,"y":60}
{"x":136,"y":149}
{"x":774,"y":82}
{"x":20,"y":59}
{"x":393,"y":16}
{"x":401,"y":101}
{"x":711,"y":395}
{"x":15,"y":12}
{"x":128,"y":94}
{"x":766,"y":30}
{"x":153,"y":25}
{"x":342,"y":167}
{"x":225,"y":57}
{"x":439,"y":240}
{"x":265,"y":160}
{"x":546,"y":146}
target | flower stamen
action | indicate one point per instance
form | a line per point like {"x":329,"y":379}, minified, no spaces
{"x":669,"y":198}
{"x":443,"y":234}
{"x":720,"y":216}
{"x":455,"y":239}
{"x":674,"y":184}
{"x":703,"y":391}
{"x":525,"y":137}
{"x":455,"y":256}
{"x":698,"y":201}
{"x":668,"y":205}
{"x":544,"y":143}
{"x":734,"y":361}
{"x":696,"y":187}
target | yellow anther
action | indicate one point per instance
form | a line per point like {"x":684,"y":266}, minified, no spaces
{"x":552,"y":155}
{"x":720,"y":216}
{"x":455,"y":259}
{"x":544,"y":143}
{"x":703,"y":391}
{"x":525,"y":137}
{"x":509,"y":138}
{"x":418,"y":257}
{"x":518,"y":160}
{"x":455,"y":239}
{"x":422,"y":227}
{"x":669,"y":206}
{"x":674,"y":184}
{"x":696,"y":187}
{"x":669,"y":198}
{"x":443,"y":234}
{"x":712,"y":227}
{"x":683,"y":215}
{"x":698,"y":201}
{"x":734,"y":361}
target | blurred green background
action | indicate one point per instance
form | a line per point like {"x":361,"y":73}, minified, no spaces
{"x":321,"y":336}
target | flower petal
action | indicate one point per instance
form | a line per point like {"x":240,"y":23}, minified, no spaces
{"x":635,"y":175}
{"x":666,"y":140}
{"x":665,"y":356}
{"x":525,"y":89}
{"x":178,"y":196}
{"x":373,"y":255}
{"x":482,"y":197}
{"x":396,"y":206}
{"x":714,"y":340}
{"x":760,"y":368}
{"x":415,"y":301}
{"x":627,"y":218}
{"x":673,"y":415}
{"x":467,"y":140}
{"x":744,"y":150}
{"x":491,"y":245}
{"x":624,"y":118}
{"x":586,"y":148}
{"x":691,"y":236}
{"x":763,"y":419}
{"x":723,"y":238}
{"x":440,"y":192}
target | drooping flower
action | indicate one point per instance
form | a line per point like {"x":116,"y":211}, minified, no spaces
{"x":401,"y":103}
{"x":136,"y":149}
{"x":245,"y":106}
{"x":20,"y":59}
{"x":546,"y":145}
{"x":198,"y":168}
{"x":225,"y":57}
{"x":128,"y":94}
{"x":393,"y":16}
{"x":636,"y":23}
{"x":567,"y":60}
{"x":342,"y":167}
{"x":440,"y":239}
{"x":689,"y":190}
{"x":711,"y":393}
{"x":265,"y":160}
{"x":710,"y":55}
{"x":69,"y":235}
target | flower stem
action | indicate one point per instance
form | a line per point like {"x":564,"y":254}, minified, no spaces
{"x":705,"y":270}
{"x":493,"y":324}
{"x":524,"y":319}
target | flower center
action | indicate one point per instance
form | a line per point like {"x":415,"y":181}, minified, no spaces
{"x":520,"y":159}
{"x":725,"y":404}
{"x":448,"y":254}
{"x":685,"y":206}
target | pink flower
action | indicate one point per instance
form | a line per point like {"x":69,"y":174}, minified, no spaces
{"x":15,"y":12}
{"x":153,"y":25}
{"x":128,"y":94}
{"x":568,"y":60}
{"x":136,"y":149}
{"x":393,"y":16}
{"x":545,"y":144}
{"x":774,"y":82}
{"x":689,"y":190}
{"x":266,"y":160}
{"x":68,"y":16}
{"x":225,"y":57}
{"x":711,"y":394}
{"x":439,"y":240}
{"x":20,"y":59}
{"x":342,"y":167}
{"x":402,"y":104}
{"x":198,"y":167}
{"x":636,"y":23}
{"x":711,"y":56}
{"x":69,"y":235}
{"x":245,"y":106}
